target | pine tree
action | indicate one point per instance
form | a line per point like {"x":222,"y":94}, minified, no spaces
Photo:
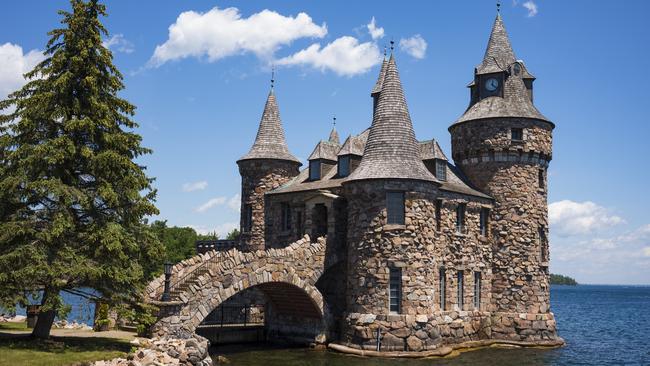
{"x":73,"y":201}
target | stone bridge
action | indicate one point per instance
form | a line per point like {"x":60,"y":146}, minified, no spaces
{"x":286,"y":276}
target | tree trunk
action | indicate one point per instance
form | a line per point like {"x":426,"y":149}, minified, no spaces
{"x":45,"y":318}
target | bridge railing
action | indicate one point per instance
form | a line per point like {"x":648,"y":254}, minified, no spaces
{"x":203,"y":246}
{"x":236,"y":315}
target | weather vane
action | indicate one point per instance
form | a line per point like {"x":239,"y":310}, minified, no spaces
{"x":498,"y":6}
{"x":334,"y":121}
{"x":272,"y":76}
{"x":392,"y":45}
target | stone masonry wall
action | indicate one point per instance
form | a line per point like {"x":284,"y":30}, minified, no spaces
{"x":420,"y":250}
{"x":259,"y":177}
{"x":509,"y":171}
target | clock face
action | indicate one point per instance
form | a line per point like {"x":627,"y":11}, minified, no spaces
{"x":491,"y":84}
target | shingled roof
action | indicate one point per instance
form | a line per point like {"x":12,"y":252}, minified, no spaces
{"x":380,"y":80}
{"x":325,"y":150}
{"x":334,"y":136}
{"x":392,"y":150}
{"x":431,"y":150}
{"x":499,"y":53}
{"x":270,"y":142}
{"x":354,"y":145}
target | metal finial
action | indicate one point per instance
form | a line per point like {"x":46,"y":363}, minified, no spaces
{"x":498,"y":6}
{"x":334,"y":122}
{"x":272,"y":76}
{"x":392,"y":45}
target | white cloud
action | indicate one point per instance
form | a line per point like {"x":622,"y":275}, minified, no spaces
{"x":220,"y":33}
{"x":13,"y":65}
{"x":345,"y":56}
{"x":214,"y":202}
{"x":415,"y":46}
{"x":235,"y":203}
{"x":568,"y":218}
{"x":118,"y":43}
{"x":646,"y":252}
{"x":375,"y":32}
{"x":532,"y":8}
{"x":222,"y":229}
{"x":195,"y":186}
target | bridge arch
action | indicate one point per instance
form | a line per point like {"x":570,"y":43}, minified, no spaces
{"x":286,"y":276}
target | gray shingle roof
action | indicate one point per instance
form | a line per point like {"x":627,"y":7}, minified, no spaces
{"x":498,"y":54}
{"x":334,"y":136}
{"x":380,"y":79}
{"x":431,"y":150}
{"x":270,"y":142}
{"x":354,"y":145}
{"x":392,"y":150}
{"x":326,"y":150}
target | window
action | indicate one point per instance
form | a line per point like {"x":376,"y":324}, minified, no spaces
{"x":541,"y":178}
{"x":344,"y":166}
{"x":461,"y":284}
{"x":286,"y":217}
{"x":438,"y":213}
{"x":460,"y":218}
{"x":441,"y":169}
{"x":395,"y":207}
{"x":484,"y":221}
{"x":314,"y":170}
{"x":542,"y":244}
{"x":443,"y":288}
{"x":248,"y":217}
{"x":477,"y":290}
{"x":299,"y":224}
{"x":395,"y":290}
{"x":517,"y":134}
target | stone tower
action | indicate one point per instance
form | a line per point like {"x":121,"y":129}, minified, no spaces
{"x":267,"y":165}
{"x":502,"y":143}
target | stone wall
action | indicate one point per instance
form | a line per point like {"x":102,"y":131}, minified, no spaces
{"x":509,"y":171}
{"x":258,"y":177}
{"x":420,"y":250}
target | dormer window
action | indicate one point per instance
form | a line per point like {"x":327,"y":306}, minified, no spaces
{"x":441,"y":170}
{"x":344,"y":166}
{"x":517,"y":134}
{"x":314,"y":170}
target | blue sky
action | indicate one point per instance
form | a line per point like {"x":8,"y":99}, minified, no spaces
{"x":200,"y":96}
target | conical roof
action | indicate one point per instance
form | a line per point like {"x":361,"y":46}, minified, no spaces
{"x":498,"y":54}
{"x":392,"y":150}
{"x":380,"y":80}
{"x":334,"y":136}
{"x":270,"y":142}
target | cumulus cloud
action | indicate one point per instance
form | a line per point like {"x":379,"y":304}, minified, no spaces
{"x":211,"y":203}
{"x":220,"y":33}
{"x":14,"y":64}
{"x":235,"y":203}
{"x":375,"y":32}
{"x":531,"y":7}
{"x":222,"y":230}
{"x":569,"y":218}
{"x":118,"y":43}
{"x":195,"y":186}
{"x":415,"y":46}
{"x":345,"y":56}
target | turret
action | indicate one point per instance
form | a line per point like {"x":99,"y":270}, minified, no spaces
{"x":267,"y":165}
{"x":503,"y":145}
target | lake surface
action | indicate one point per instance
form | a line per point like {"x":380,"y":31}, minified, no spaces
{"x":602,"y":325}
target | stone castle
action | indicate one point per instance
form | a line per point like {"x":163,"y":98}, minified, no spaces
{"x":410,"y":251}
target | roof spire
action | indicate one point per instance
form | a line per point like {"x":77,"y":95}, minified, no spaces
{"x":334,"y":136}
{"x":270,"y":142}
{"x":392,"y":152}
{"x":498,"y":53}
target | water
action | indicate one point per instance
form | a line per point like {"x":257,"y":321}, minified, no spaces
{"x":82,"y":310}
{"x":602,"y":325}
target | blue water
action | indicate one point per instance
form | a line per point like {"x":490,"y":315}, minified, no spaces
{"x":82,"y":310}
{"x":602,"y":325}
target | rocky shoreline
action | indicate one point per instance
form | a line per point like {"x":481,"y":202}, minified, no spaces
{"x":165,"y":351}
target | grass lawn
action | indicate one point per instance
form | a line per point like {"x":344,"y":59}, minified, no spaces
{"x":13,"y":326}
{"x":19,"y":349}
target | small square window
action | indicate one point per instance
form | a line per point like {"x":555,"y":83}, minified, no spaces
{"x":517,"y":134}
{"x":395,"y":208}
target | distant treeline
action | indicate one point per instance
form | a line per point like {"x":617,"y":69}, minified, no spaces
{"x":557,"y":279}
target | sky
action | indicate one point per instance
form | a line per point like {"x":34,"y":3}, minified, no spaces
{"x":199,"y":73}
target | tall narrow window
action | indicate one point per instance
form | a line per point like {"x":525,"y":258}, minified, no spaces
{"x":438,"y":213}
{"x":460,"y":218}
{"x":286,"y":217}
{"x":344,"y":166}
{"x":395,"y":290}
{"x":314,"y":170}
{"x":477,"y":290}
{"x":517,"y":134}
{"x":248,"y":217}
{"x":485,"y":213}
{"x":395,"y":207}
{"x":461,"y":284}
{"x":441,"y":169}
{"x":542,"y":244}
{"x":541,"y":178}
{"x":443,"y":289}
{"x":299,"y":224}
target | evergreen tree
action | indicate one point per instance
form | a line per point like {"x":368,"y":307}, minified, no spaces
{"x":72,"y":199}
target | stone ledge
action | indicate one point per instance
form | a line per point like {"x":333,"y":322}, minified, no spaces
{"x":446,"y":350}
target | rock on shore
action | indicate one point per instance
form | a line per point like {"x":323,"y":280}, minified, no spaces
{"x":165,"y":351}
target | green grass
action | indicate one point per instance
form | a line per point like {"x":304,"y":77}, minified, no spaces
{"x":58,"y":351}
{"x":13,"y":326}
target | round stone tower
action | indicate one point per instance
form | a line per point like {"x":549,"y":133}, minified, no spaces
{"x":267,"y":165}
{"x":503,"y":144}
